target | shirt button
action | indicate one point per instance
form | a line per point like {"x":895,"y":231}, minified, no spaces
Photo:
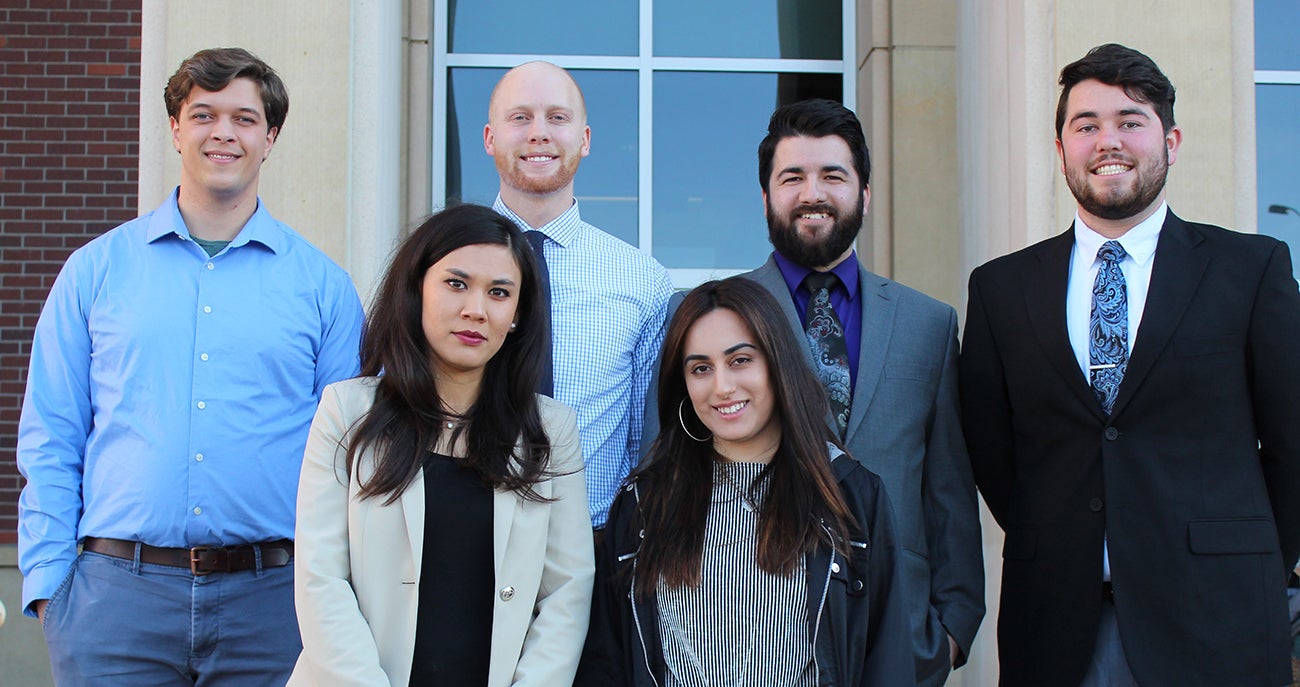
{"x":207,"y":308}
{"x":1111,"y":434}
{"x":198,"y":457}
{"x":202,"y":405}
{"x":1095,"y":504}
{"x":209,"y":266}
{"x":835,"y":567}
{"x":198,"y":511}
{"x":203,"y":357}
{"x":507,"y":593}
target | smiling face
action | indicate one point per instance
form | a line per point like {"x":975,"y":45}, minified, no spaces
{"x":815,"y":201}
{"x":729,"y":387}
{"x":469,"y":299}
{"x":223,"y":139}
{"x":537,"y":130}
{"x":1115,"y":156}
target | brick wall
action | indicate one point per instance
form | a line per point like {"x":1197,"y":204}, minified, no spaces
{"x":69,"y":146}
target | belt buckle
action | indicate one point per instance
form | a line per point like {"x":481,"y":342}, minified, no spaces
{"x":196,"y":558}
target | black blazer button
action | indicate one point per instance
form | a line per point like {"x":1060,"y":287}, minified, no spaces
{"x":1095,"y":504}
{"x":1111,"y":434}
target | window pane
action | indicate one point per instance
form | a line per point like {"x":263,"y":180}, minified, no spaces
{"x":606,"y":184}
{"x":1276,"y":24}
{"x":1278,"y":163}
{"x":791,"y":29}
{"x":708,"y":208}
{"x":524,"y":27}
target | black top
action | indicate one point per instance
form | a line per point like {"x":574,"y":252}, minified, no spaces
{"x":453,"y":629}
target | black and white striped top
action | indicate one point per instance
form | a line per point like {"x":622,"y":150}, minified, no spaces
{"x":741,"y":626}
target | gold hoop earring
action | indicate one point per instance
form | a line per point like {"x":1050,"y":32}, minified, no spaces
{"x":682,"y":419}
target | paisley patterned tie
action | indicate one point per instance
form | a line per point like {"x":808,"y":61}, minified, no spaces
{"x":1108,"y":326}
{"x":829,"y":351}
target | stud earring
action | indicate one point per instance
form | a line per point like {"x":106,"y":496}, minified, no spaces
{"x":513,"y":326}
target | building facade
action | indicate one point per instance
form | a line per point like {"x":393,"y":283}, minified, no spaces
{"x":389,"y":97}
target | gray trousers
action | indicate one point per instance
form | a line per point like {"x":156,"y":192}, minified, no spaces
{"x":1109,"y":668}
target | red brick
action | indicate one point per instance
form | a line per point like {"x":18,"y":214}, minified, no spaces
{"x":89,"y":30}
{"x":64,"y":69}
{"x":45,"y":108}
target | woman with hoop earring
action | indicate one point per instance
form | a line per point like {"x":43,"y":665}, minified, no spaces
{"x":748,"y":548}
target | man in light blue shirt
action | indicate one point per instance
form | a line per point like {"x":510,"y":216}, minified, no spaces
{"x":608,"y":299}
{"x":175,"y":370}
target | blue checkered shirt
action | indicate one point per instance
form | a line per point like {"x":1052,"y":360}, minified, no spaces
{"x":608,"y":303}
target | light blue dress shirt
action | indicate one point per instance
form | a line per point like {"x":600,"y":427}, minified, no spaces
{"x":608,"y":303}
{"x":169,"y":393}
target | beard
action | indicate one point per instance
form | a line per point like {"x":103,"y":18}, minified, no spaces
{"x":509,"y":169}
{"x":814,"y":251}
{"x":1120,"y":202}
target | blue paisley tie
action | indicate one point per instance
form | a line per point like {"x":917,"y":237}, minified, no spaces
{"x":1108,"y":326}
{"x":829,"y":351}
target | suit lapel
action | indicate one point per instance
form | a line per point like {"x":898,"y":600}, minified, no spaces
{"x":1175,"y":274}
{"x":769,"y":277}
{"x":1045,"y":287}
{"x":878,"y":308}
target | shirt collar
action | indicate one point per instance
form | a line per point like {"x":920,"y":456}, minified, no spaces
{"x":562,"y":230}
{"x":1139,"y":242}
{"x":794,"y":273}
{"x":260,"y":228}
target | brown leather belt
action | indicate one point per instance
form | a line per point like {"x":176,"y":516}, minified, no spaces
{"x":200,"y":560}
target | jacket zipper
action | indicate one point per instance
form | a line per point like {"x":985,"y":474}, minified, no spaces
{"x":821,"y":606}
{"x":631,"y":597}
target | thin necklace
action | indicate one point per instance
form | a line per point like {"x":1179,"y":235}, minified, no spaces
{"x":724,"y":467}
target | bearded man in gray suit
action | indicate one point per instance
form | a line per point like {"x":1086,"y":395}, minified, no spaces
{"x":888,"y":357}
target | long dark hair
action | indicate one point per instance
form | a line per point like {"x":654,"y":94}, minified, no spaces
{"x":676,"y":479}
{"x":408,"y":418}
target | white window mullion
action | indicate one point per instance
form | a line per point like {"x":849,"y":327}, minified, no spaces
{"x":438,"y":137}
{"x":645,"y":126}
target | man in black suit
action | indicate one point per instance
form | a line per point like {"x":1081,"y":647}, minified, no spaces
{"x":1129,"y":394}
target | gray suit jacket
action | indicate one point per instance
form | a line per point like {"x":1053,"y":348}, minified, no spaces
{"x":905,"y":426}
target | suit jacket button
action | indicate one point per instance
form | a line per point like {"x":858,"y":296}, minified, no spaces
{"x":507,"y":593}
{"x":857,"y":585}
{"x":1111,"y":434}
{"x":1095,"y":504}
{"x":835,"y":567}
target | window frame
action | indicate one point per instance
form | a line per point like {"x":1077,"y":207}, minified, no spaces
{"x":645,"y":64}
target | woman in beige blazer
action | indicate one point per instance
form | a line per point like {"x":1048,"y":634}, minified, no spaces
{"x":449,"y":362}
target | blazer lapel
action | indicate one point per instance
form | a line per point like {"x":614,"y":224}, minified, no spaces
{"x":505,"y":504}
{"x":1175,"y":275}
{"x":878,"y":308}
{"x":412,"y":501}
{"x":1045,"y":286}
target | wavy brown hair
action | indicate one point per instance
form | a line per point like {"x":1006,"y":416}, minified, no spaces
{"x":408,"y":418}
{"x":803,"y":501}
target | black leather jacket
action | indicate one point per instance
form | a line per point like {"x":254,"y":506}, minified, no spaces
{"x":856,"y":617}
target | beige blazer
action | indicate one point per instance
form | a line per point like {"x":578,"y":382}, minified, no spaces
{"x":356,"y":577}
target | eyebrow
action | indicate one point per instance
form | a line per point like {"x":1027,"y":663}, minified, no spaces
{"x":1126,"y":112}
{"x":249,"y":110}
{"x":503,"y":281}
{"x":824,"y":168}
{"x":729,"y":351}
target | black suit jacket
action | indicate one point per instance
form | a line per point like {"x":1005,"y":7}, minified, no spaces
{"x":1194,"y":479}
